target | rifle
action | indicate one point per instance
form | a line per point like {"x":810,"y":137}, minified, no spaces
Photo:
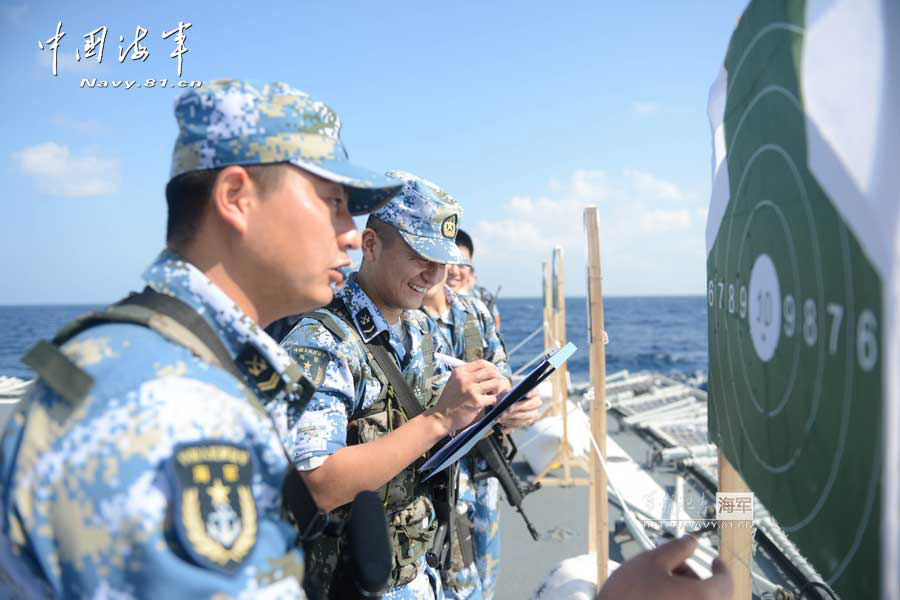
{"x":494,"y":298}
{"x":444,"y":496}
{"x":499,"y":466}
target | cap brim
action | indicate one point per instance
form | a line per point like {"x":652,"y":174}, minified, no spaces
{"x":444,"y":251}
{"x":367,"y":190}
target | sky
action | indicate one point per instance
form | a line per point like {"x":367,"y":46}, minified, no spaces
{"x":526,"y":112}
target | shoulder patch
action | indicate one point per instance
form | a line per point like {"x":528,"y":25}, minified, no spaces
{"x":366,"y":322}
{"x":214,"y":510}
{"x":313,"y":362}
{"x":263,"y":374}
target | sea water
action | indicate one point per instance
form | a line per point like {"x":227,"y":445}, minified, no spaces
{"x":661,"y":334}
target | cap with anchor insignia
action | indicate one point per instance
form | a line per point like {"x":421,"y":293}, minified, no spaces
{"x":231,"y":122}
{"x":426,"y":217}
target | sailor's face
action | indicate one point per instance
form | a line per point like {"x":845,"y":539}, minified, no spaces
{"x":458,"y":275}
{"x":406,"y":277}
{"x":437,"y":289}
{"x":303,"y":236}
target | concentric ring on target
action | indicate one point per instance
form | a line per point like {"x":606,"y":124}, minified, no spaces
{"x":780,"y":151}
{"x":795,"y":272}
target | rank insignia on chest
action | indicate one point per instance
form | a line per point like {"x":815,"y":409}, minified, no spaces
{"x":258,"y":368}
{"x":214,"y":511}
{"x":366,"y":322}
{"x":313,"y":362}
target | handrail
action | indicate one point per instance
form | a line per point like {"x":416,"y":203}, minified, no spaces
{"x":525,"y":341}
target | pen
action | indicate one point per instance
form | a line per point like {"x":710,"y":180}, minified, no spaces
{"x":448,"y":360}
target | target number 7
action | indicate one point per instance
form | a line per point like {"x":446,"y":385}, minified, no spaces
{"x":837,"y":313}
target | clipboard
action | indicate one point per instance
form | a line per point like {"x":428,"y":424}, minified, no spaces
{"x":465,"y":440}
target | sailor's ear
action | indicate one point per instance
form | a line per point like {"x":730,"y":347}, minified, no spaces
{"x":371,"y":244}
{"x":233,"y":196}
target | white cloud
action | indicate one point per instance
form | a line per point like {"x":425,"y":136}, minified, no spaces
{"x":645,"y":107}
{"x":651,"y":236}
{"x":56,"y":171}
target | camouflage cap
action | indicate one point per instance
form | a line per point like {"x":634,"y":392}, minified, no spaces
{"x":426,"y":217}
{"x":231,"y":122}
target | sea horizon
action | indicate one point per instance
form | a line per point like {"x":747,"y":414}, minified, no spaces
{"x":568,"y":297}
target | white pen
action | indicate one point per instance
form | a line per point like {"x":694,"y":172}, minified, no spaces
{"x":448,"y":360}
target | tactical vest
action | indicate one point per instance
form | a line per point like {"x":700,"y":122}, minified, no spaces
{"x":407,"y":500}
{"x":471,"y":334}
{"x":182,"y":325}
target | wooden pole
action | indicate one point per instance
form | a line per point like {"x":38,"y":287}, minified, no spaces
{"x":599,"y":500}
{"x":736,"y":543}
{"x":548,"y":321}
{"x":555,"y":317}
{"x":561,"y":379}
{"x":552,"y":331}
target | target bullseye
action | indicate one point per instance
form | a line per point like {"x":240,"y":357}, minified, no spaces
{"x":765,"y":307}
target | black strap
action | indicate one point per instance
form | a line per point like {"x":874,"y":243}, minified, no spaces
{"x":403,"y":392}
{"x":189,"y":318}
{"x":59,"y":372}
{"x":464,"y":529}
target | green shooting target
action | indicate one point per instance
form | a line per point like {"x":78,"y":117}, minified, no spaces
{"x":795,"y":304}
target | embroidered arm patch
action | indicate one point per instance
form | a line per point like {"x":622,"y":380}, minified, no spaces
{"x":214,"y":510}
{"x":313,"y":362}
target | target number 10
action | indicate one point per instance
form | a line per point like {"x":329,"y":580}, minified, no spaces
{"x":769,"y":315}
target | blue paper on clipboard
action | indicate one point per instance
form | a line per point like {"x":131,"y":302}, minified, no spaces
{"x":465,"y":440}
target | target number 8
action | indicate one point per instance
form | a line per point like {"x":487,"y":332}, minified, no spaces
{"x":769,"y":315}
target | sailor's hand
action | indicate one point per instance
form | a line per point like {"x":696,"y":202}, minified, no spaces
{"x":521,"y":414}
{"x":661,"y":574}
{"x":471,"y":388}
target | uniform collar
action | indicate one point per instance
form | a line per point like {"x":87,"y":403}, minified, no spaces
{"x":366,"y":317}
{"x":248,"y":343}
{"x":370,"y":322}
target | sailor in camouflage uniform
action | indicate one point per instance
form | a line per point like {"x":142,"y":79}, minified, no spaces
{"x":467,"y":327}
{"x":356,"y":432}
{"x":142,"y":464}
{"x":461,"y":278}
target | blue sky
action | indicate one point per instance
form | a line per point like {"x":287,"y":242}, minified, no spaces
{"x":526,"y":112}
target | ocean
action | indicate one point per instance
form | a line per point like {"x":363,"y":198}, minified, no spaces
{"x":662,"y":334}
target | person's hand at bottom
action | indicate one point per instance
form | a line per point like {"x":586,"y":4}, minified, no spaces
{"x":662,"y":574}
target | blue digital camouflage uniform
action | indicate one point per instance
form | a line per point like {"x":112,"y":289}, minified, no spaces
{"x":426,"y":217}
{"x":165,"y":480}
{"x":90,"y":490}
{"x":488,"y":298}
{"x":349,"y":389}
{"x":348,"y":386}
{"x":478,"y":501}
